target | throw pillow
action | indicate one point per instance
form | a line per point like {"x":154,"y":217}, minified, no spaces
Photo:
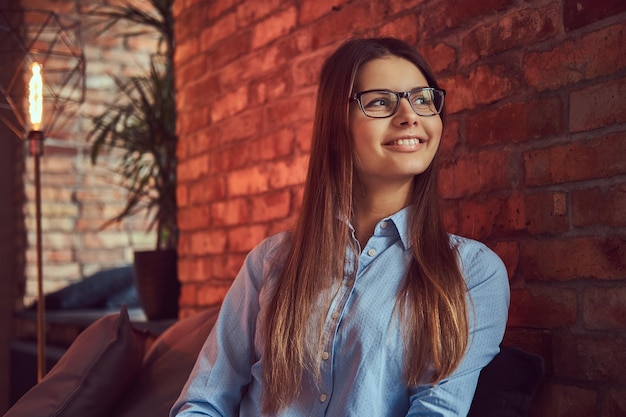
{"x":166,"y":367}
{"x":91,"y":376}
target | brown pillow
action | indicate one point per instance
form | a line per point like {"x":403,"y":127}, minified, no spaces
{"x":91,"y":376}
{"x":166,"y":367}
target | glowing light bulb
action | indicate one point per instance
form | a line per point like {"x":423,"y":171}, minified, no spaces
{"x":35,"y":97}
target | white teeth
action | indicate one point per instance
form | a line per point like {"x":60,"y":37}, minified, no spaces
{"x":407,"y":142}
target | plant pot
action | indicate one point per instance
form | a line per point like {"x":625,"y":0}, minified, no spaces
{"x":156,"y":279}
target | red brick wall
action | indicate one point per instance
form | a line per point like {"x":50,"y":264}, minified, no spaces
{"x":535,"y":155}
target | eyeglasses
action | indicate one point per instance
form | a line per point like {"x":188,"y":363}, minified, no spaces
{"x":379,"y":104}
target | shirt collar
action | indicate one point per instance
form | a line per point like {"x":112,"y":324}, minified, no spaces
{"x":400,"y":226}
{"x":400,"y":220}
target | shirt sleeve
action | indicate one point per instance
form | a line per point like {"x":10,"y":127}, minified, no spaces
{"x":488,"y":304}
{"x":222,"y":371}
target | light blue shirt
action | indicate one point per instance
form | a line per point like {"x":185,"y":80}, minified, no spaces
{"x":361,"y":351}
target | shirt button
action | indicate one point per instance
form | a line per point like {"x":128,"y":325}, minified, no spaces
{"x":371,"y":252}
{"x":335,"y":314}
{"x":384,"y":225}
{"x":325,"y":356}
{"x":349,"y":282}
{"x":322,"y":398}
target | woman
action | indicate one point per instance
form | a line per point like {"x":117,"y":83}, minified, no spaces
{"x":368,"y":308}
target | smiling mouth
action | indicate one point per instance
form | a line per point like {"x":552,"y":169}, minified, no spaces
{"x":405,"y":142}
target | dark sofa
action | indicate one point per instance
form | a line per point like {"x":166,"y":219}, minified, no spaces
{"x":112,"y":370}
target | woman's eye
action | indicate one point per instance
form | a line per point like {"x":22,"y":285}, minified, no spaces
{"x":421,"y":100}
{"x":378,"y":102}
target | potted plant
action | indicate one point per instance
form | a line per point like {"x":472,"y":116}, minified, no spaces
{"x":141,"y":128}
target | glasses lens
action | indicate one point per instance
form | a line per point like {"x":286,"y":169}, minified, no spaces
{"x":426,"y":101}
{"x":379,"y":103}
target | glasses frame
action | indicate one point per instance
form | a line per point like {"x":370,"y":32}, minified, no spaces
{"x":400,"y":96}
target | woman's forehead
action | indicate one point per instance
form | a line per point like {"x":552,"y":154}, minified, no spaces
{"x":391,"y":73}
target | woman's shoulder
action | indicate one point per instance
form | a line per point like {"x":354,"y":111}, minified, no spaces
{"x":470,"y":248}
{"x":272,"y":242}
{"x":264,"y":259}
{"x":477,"y":259}
{"x":270,"y":247}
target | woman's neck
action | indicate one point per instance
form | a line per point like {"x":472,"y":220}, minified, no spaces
{"x":374,"y":204}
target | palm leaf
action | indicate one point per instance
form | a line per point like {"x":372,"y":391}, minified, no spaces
{"x":141,"y":127}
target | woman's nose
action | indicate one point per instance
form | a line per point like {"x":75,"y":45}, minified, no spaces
{"x":406,"y":114}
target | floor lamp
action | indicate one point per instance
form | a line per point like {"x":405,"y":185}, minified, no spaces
{"x":43,"y":40}
{"x":35,"y":138}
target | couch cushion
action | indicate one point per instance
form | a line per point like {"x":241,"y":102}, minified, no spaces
{"x":91,"y":376}
{"x":166,"y":367}
{"x":506,"y":386}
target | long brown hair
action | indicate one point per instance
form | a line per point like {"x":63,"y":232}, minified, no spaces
{"x":431,"y":302}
